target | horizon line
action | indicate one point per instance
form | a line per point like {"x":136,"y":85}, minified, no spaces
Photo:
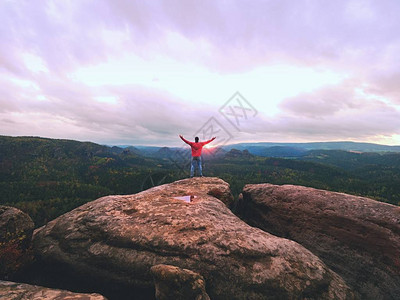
{"x":171,"y":146}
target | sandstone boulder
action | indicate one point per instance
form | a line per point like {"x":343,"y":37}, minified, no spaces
{"x":357,"y":237}
{"x":16,"y":229}
{"x":114,"y":241}
{"x":179,"y":284}
{"x":20,"y":291}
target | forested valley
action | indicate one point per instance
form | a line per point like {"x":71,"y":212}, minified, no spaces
{"x":47,"y":177}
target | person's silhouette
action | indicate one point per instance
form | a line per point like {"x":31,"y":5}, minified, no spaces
{"x":196,"y":153}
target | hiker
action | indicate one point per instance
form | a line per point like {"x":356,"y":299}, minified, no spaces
{"x":196,"y":153}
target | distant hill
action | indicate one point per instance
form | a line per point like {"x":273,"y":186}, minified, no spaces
{"x":276,"y":151}
{"x":27,"y":147}
{"x":125,"y":149}
{"x":351,"y":160}
{"x":46,"y":177}
{"x":347,"y":146}
{"x":146,"y":150}
{"x":179,"y":153}
{"x":234,"y":153}
{"x":164,"y":152}
{"x":266,"y":149}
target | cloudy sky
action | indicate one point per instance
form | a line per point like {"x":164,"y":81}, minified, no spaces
{"x":142,"y":72}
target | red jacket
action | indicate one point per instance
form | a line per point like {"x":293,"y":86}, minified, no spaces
{"x":196,"y":147}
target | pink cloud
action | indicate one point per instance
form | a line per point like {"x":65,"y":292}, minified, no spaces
{"x":358,"y":38}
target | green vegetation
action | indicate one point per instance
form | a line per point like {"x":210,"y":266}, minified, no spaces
{"x":48,"y":177}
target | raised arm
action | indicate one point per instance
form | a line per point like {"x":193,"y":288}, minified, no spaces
{"x":209,"y":141}
{"x":185,"y":140}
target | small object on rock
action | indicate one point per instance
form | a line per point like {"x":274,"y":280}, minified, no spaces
{"x":179,"y":284}
{"x":187,"y":199}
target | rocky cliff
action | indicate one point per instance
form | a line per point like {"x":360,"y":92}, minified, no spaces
{"x":116,"y":244}
{"x":357,"y":237}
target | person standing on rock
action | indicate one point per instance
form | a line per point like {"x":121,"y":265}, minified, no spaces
{"x":196,"y":153}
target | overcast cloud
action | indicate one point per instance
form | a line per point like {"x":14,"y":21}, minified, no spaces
{"x":142,"y":72}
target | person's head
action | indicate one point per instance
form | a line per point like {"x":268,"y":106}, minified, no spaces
{"x":196,"y":139}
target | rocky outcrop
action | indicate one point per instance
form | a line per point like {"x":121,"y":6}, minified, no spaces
{"x":357,"y":237}
{"x":16,"y":230}
{"x":115,"y":240}
{"x":179,"y":284}
{"x":234,"y":153}
{"x":20,"y":291}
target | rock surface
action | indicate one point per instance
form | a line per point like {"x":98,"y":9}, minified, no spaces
{"x":20,"y":291}
{"x":357,"y":237}
{"x":179,"y":284}
{"x":16,"y":229}
{"x":115,"y":240}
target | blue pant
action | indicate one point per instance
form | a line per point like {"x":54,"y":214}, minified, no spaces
{"x":196,"y":161}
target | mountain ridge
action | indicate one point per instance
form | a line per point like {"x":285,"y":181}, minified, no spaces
{"x":329,"y":145}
